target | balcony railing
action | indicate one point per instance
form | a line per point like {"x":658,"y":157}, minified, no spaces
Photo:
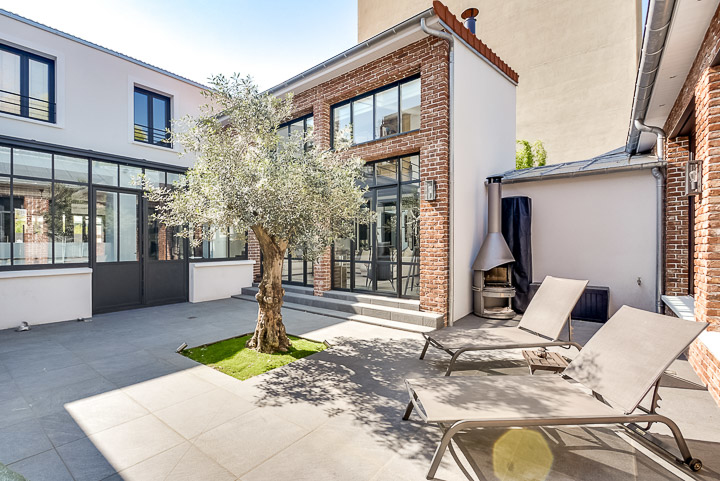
{"x":152,"y":136}
{"x":26,"y":106}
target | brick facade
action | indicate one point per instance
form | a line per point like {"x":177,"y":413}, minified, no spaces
{"x":430,"y":58}
{"x":676,"y":218}
{"x":701,"y":95}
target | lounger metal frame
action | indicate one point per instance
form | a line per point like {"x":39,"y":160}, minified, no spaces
{"x":456,"y":353}
{"x":627,"y":421}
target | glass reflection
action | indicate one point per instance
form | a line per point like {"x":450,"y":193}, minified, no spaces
{"x":31,"y":205}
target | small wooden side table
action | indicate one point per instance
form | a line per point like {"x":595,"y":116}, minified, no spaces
{"x":552,"y":361}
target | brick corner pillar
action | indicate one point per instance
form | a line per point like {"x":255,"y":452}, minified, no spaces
{"x":322,"y":279}
{"x":676,"y":218}
{"x":254,"y":254}
{"x":707,"y":226}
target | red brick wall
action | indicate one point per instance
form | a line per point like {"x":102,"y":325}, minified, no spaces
{"x":430,"y":58}
{"x":676,"y":218}
{"x":701,"y":92}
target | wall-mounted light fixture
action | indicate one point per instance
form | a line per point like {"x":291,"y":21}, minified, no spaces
{"x":693,"y":176}
{"x":430,"y":188}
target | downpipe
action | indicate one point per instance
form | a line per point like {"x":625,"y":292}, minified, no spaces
{"x":659,"y":133}
{"x":660,"y":237}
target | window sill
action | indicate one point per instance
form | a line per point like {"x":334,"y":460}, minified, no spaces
{"x":153,"y":146}
{"x":45,"y":272}
{"x":44,"y":123}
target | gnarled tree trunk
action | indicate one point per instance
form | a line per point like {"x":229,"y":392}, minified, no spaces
{"x":270,"y":335}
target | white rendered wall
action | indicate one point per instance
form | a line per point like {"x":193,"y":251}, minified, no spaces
{"x":94,"y":96}
{"x":219,"y":280}
{"x":42,"y":296}
{"x":482,"y":144}
{"x":597,"y":227}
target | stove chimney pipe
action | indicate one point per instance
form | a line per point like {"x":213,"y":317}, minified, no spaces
{"x":494,"y":250}
{"x":469,"y":17}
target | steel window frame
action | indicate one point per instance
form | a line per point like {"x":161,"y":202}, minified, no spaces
{"x":150,"y":96}
{"x":373,"y":93}
{"x":25,"y":58}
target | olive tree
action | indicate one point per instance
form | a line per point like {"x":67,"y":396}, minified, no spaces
{"x":288,"y":192}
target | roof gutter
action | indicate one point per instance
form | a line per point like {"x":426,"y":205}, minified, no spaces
{"x":352,"y":51}
{"x":657,"y":26}
{"x":584,"y":173}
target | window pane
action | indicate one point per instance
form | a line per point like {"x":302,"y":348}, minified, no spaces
{"x":341,"y":122}
{"x":386,"y":172}
{"x":4,"y":160}
{"x":9,"y":82}
{"x":32,"y":164}
{"x":39,"y":90}
{"x":283,"y":133}
{"x":368,"y":178}
{"x":71,"y":222}
{"x":237,"y":244}
{"x":163,"y":245}
{"x":363,"y":120}
{"x":217,"y":247}
{"x":142,"y":119}
{"x":71,"y":168}
{"x":155,"y":177}
{"x":386,"y":113}
{"x":106,"y":235}
{"x":309,"y":130}
{"x":5,"y":221}
{"x":31,"y":204}
{"x":129,"y":174}
{"x":161,"y":122}
{"x":342,"y":249}
{"x":297,"y":128}
{"x":410,"y":105}
{"x":128,"y":227}
{"x":104,"y":173}
{"x":172,"y":178}
{"x":410,"y":168}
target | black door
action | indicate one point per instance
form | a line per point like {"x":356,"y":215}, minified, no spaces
{"x":116,"y":257}
{"x":165,"y":262}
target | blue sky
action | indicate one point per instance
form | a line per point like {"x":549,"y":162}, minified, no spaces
{"x":270,"y":40}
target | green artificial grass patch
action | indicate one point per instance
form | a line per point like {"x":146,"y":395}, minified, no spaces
{"x":231,"y":357}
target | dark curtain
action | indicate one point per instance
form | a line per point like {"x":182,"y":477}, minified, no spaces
{"x":516,"y":214}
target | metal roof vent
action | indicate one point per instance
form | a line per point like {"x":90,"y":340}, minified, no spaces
{"x":469,"y":17}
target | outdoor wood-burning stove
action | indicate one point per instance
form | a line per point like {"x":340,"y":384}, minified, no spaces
{"x":492,"y":280}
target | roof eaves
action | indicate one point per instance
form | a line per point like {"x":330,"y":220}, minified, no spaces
{"x":353,"y":50}
{"x":68,"y":36}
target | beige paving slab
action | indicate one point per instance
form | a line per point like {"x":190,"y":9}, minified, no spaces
{"x":97,"y":413}
{"x":181,"y":463}
{"x":164,"y":391}
{"x":246,"y":441}
{"x":127,"y":444}
{"x":203,"y":412}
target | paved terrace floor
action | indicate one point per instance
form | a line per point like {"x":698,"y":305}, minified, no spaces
{"x":110,"y":399}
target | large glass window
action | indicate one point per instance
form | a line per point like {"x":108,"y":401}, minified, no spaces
{"x":27,"y":84}
{"x":152,"y":118}
{"x":384,"y":257}
{"x":227,"y":245}
{"x":70,"y":223}
{"x":31,"y":208}
{"x":388,"y":111}
{"x":5,"y":221}
{"x":302,"y":125}
{"x":45,"y":211}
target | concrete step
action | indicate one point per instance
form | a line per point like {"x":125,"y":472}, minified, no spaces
{"x":410,"y":304}
{"x":357,"y":307}
{"x":403,"y":326}
{"x":291,"y":288}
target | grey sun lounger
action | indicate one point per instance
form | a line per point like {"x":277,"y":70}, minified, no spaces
{"x":541,"y":325}
{"x":613,"y":373}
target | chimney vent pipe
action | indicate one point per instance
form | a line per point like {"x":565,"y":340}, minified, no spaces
{"x":469,"y":17}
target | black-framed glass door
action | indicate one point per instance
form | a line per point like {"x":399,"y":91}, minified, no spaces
{"x":297,"y":270}
{"x":117,"y":243}
{"x":384,"y":256}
